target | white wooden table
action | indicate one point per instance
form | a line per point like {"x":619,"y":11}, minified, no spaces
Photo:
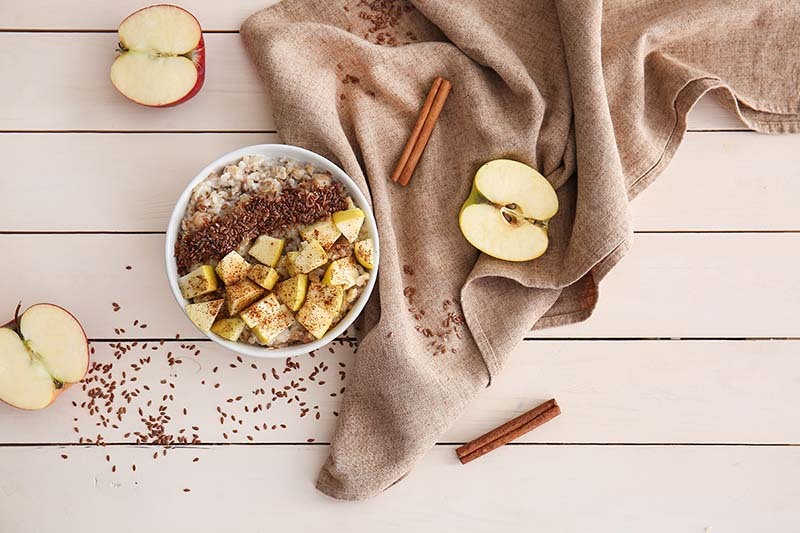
{"x":681,"y":409}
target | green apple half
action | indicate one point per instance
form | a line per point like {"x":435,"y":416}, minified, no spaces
{"x":507,"y":213}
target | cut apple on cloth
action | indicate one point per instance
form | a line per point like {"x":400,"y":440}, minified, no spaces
{"x":42,"y":353}
{"x":162,"y":58}
{"x":507,"y":213}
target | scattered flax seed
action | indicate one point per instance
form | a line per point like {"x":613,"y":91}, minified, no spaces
{"x":196,"y":459}
{"x":129,"y":267}
{"x":309,"y":440}
{"x":187,"y":490}
{"x":64,"y":456}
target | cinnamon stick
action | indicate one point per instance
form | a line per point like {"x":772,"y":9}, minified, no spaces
{"x":425,"y":133}
{"x":412,"y":140}
{"x":509,"y":431}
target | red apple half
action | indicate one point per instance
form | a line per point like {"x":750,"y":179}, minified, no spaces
{"x":42,"y":352}
{"x":162,"y":59}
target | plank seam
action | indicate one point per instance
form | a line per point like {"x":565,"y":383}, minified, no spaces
{"x":102,"y":340}
{"x":136,"y":132}
{"x":637,"y":232}
{"x":457,"y":443}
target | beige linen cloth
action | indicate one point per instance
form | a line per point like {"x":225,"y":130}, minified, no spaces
{"x":593,"y":94}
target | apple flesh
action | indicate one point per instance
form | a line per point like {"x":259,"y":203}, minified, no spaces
{"x":161,"y":60}
{"x":42,"y":353}
{"x":507,"y":213}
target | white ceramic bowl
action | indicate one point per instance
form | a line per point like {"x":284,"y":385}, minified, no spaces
{"x":274,"y":151}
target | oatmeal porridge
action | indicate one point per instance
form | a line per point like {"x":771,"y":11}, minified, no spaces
{"x":271,"y":252}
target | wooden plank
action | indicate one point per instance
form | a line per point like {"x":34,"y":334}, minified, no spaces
{"x":117,"y":182}
{"x":698,"y":285}
{"x":66,"y":83}
{"x":669,"y":285}
{"x":610,"y":392}
{"x":709,"y":114}
{"x":725,"y":181}
{"x":517,"y":489}
{"x":110,"y":182}
{"x":100,"y":15}
{"x":67,"y":88}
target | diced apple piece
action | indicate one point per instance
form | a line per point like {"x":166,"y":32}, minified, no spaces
{"x":324,"y":232}
{"x":265,"y":276}
{"x":349,"y":222}
{"x":292,"y":292}
{"x":233,"y":268}
{"x":203,"y":314}
{"x":364,"y":253}
{"x":267,"y":330}
{"x":267,"y":250}
{"x":260,"y":311}
{"x":341,"y":272}
{"x":228,"y":328}
{"x":328,"y":297}
{"x":240,"y":295}
{"x":315,"y":319}
{"x":289,"y":263}
{"x":310,"y":257}
{"x":199,"y":281}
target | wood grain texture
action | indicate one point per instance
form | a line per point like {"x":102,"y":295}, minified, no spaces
{"x":698,"y":285}
{"x":67,"y":87}
{"x":98,"y":15}
{"x":724,"y":181}
{"x":610,"y":392}
{"x":669,"y":285}
{"x":112,"y":182}
{"x":645,"y":418}
{"x":557,"y":489}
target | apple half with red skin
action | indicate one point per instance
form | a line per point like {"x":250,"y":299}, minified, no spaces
{"x":508,"y":211}
{"x":42,"y":353}
{"x":162,"y":58}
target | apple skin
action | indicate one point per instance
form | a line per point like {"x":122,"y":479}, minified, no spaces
{"x":56,"y":393}
{"x":198,"y":57}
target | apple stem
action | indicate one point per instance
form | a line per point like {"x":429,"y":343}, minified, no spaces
{"x":14,"y":324}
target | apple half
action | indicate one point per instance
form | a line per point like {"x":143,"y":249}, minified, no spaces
{"x":42,"y":353}
{"x":507,"y":213}
{"x":162,"y":57}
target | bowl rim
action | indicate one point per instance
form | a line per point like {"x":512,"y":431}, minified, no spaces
{"x":303,"y":155}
